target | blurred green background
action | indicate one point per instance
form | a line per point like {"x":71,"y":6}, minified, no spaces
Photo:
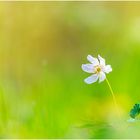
{"x":42,"y":48}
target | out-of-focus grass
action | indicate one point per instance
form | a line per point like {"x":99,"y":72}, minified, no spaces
{"x":42,"y":47}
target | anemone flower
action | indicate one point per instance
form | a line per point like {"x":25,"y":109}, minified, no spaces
{"x":97,"y":68}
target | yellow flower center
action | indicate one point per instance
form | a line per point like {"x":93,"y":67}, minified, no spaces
{"x":98,"y":69}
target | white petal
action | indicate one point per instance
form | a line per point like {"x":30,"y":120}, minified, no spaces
{"x":88,"y":68}
{"x":102,"y":60}
{"x":108,"y":69}
{"x":91,"y":79}
{"x":102,"y":76}
{"x":93,"y":60}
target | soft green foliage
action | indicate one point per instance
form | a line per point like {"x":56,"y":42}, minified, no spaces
{"x":135,"y":111}
{"x":42,"y":47}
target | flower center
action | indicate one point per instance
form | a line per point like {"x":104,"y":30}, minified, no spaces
{"x":98,"y":69}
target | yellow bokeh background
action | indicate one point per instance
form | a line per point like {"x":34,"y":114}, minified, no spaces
{"x":42,"y":48}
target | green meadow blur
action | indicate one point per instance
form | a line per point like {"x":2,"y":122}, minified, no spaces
{"x":42,"y":48}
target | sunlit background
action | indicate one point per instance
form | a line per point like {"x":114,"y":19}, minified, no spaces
{"x":42,"y":48}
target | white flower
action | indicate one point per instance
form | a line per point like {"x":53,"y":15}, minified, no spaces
{"x":97,"y":68}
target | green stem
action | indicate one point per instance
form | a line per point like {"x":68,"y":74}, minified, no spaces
{"x":113,"y":96}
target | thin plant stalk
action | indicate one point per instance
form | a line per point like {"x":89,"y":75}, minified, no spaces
{"x":113,"y":96}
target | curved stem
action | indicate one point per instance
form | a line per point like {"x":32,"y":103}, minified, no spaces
{"x":113,"y":96}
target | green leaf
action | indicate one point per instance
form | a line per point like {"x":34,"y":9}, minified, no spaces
{"x":135,"y":111}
